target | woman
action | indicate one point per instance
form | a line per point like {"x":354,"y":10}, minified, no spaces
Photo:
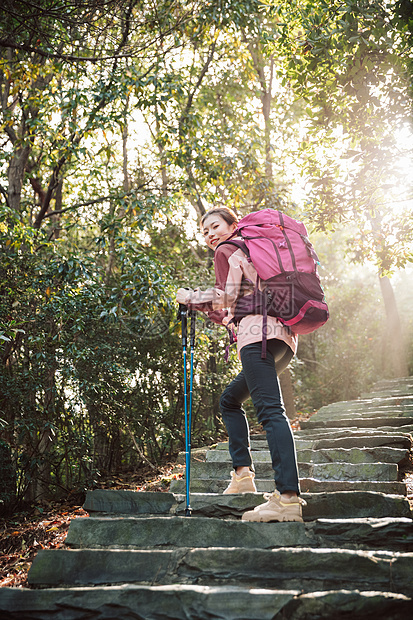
{"x":235,"y":278}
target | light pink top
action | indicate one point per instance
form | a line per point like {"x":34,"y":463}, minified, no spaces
{"x":236,"y":277}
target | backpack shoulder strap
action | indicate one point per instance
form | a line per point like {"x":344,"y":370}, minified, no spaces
{"x":239,"y":243}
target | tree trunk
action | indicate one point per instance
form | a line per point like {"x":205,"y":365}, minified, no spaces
{"x":100,"y":438}
{"x":394,"y":351}
{"x":286,"y":383}
{"x":47,"y":438}
{"x":125,"y":135}
{"x":8,"y":478}
{"x":58,"y":206}
{"x":126,"y":187}
{"x":17,"y":167}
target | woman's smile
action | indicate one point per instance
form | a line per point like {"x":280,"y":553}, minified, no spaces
{"x":216,"y":230}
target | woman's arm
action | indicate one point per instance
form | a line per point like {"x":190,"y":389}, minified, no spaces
{"x":227,"y":285}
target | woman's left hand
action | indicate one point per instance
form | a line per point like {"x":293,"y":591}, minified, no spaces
{"x":183,"y":296}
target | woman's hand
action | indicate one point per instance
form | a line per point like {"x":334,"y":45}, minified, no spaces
{"x":183,"y":296}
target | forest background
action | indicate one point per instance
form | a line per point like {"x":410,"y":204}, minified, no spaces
{"x":122,"y":122}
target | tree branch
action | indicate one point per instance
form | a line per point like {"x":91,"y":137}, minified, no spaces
{"x":197,"y":85}
{"x":141,"y":454}
{"x":97,"y":200}
{"x":132,"y":53}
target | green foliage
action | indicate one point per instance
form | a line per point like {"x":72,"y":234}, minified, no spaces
{"x":121,"y":123}
{"x":347,"y":63}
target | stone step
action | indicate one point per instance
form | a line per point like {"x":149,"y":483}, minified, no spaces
{"x":381,"y":422}
{"x":398,"y":382}
{"x":360,"y":415}
{"x":357,"y":418}
{"x":338,"y":504}
{"x":326,"y":455}
{"x":196,"y":602}
{"x":389,"y":533}
{"x":288,"y":568}
{"x":345,"y":436}
{"x":350,"y":432}
{"x":401,"y":441}
{"x":322,"y":471}
{"x":384,"y":391}
{"x":375,"y":406}
{"x":389,"y":392}
{"x":308,"y":485}
{"x":372,"y":401}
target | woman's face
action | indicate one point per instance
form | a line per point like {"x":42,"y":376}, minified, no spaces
{"x":215,"y":230}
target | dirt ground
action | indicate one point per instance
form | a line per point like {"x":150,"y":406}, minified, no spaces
{"x":45,"y":525}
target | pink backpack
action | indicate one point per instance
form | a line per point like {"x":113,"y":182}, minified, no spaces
{"x":285,"y":260}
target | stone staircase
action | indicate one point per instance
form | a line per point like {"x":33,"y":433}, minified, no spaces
{"x":138,"y":557}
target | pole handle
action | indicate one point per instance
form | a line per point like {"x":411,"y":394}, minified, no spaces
{"x":192,"y":315}
{"x":182,"y":316}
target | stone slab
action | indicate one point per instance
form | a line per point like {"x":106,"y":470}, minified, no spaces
{"x":324,"y":455}
{"x":353,"y":504}
{"x":337,"y":432}
{"x":221,"y":506}
{"x":396,"y":392}
{"x":205,"y":504}
{"x":308,"y":568}
{"x":350,"y":433}
{"x":106,"y":500}
{"x":170,"y":532}
{"x":371,"y":401}
{"x":399,"y":403}
{"x":349,"y":471}
{"x":215,"y":486}
{"x":172,"y":602}
{"x":359,"y":423}
{"x":396,"y":383}
{"x":324,"y":471}
{"x":180,"y":602}
{"x":353,"y":455}
{"x":361,"y":441}
{"x":338,"y":504}
{"x":387,"y":533}
{"x":308,"y":485}
{"x":344,"y":604}
{"x":391,"y":441}
{"x":357,"y":416}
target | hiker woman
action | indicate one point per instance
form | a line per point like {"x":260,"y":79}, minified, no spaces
{"x":235,"y":278}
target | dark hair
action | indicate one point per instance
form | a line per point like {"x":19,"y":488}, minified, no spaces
{"x":227,"y":214}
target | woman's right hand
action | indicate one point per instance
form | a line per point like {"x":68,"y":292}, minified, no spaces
{"x":183,"y":296}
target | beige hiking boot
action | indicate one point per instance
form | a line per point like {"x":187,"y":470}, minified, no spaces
{"x":276,"y":509}
{"x":244,"y":483}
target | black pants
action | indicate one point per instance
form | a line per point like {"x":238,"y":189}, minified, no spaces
{"x":259,"y":380}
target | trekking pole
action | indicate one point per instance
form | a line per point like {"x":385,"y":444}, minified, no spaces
{"x":182,"y":314}
{"x":192,"y":315}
